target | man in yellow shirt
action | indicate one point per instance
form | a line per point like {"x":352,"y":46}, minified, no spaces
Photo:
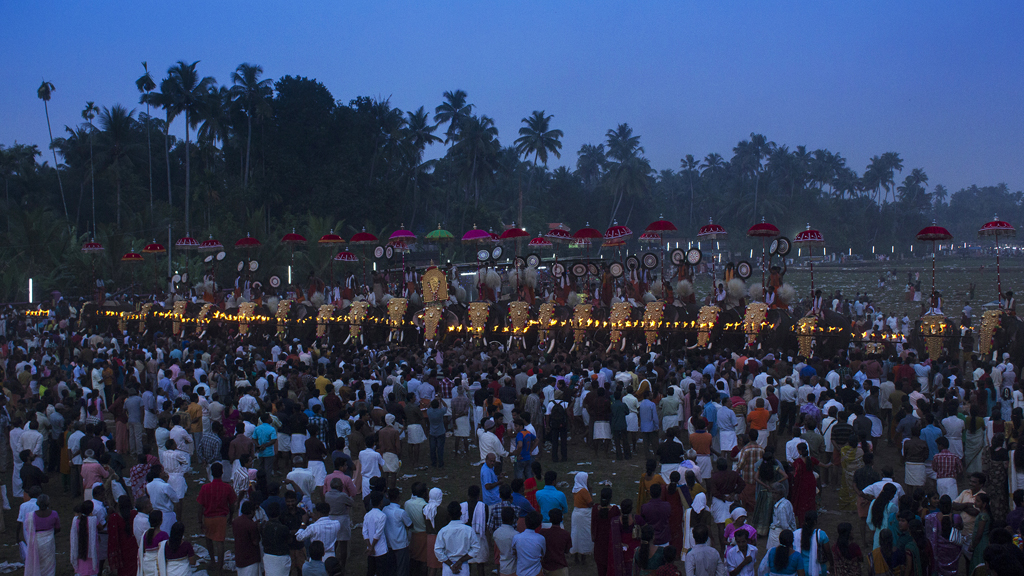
{"x":321,"y":382}
{"x":195,"y":416}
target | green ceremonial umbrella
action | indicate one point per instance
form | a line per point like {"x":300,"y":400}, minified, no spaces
{"x":439,"y":236}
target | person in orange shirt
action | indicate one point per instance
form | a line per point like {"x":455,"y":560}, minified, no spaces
{"x":701,"y":441}
{"x":758,"y":420}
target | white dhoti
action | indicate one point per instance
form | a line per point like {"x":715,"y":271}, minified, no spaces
{"x":391,"y":462}
{"x":319,"y":471}
{"x":602,"y":430}
{"x":16,"y":489}
{"x":915,"y":473}
{"x":284,"y":443}
{"x":947,"y":487}
{"x":580,"y":531}
{"x":773,"y":423}
{"x":415,"y":434}
{"x":177,"y":481}
{"x":169,"y":519}
{"x":668,"y":469}
{"x":298,"y":443}
{"x":876,"y":426}
{"x":669,"y":421}
{"x":274,"y":565}
{"x":147,"y":563}
{"x":586,"y":417}
{"x":726,"y":440}
{"x":632,"y":423}
{"x":462,"y":427}
{"x":478,"y":415}
{"x":720,"y":510}
{"x":251,"y":570}
{"x":704,"y":461}
{"x":773,"y":537}
{"x":762,"y":438}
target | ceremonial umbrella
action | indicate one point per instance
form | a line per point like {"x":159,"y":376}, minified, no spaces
{"x":293,"y":240}
{"x":132,"y":258}
{"x":154,"y":248}
{"x":187,"y":244}
{"x":346,"y":256}
{"x":540,"y":242}
{"x":933,"y":234}
{"x":211,"y":245}
{"x":558,"y":235}
{"x":475,"y":236}
{"x":616,"y":236}
{"x":658,"y":228}
{"x":764,"y":231}
{"x":583,"y":238}
{"x":440,"y":235}
{"x":712,"y":231}
{"x":810,"y":238}
{"x":400,"y":239}
{"x":92,"y":247}
{"x":363,"y":238}
{"x":998,"y":228}
{"x":331,"y":239}
{"x":661,"y":225}
{"x":650,"y":237}
{"x":247,"y":243}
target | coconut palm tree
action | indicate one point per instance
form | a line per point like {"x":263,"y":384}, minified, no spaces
{"x":417,"y":134}
{"x":629,"y":172}
{"x":88,"y":114}
{"x":689,"y":166}
{"x":145,"y":85}
{"x":44,"y":92}
{"x":190,"y":93}
{"x":590,"y":164}
{"x":117,"y":122}
{"x":165,"y":99}
{"x":476,"y":152}
{"x":537,"y":138}
{"x":252,"y":95}
{"x":453,"y":111}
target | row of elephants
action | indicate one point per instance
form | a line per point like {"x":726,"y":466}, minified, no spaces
{"x":659,"y":326}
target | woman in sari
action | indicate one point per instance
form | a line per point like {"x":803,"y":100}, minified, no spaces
{"x":699,"y":514}
{"x":533,"y":483}
{"x":852,"y":459}
{"x":150,"y":544}
{"x":769,"y":474}
{"x":974,"y":440}
{"x":582,"y":516}
{"x":229,"y":419}
{"x":943,"y":529}
{"x":812,"y":544}
{"x":649,"y":478}
{"x":176,"y":557}
{"x":804,"y":488}
{"x":881,"y":556}
{"x":981,"y":529}
{"x":782,"y":560}
{"x":84,"y":539}
{"x":882,"y":513}
{"x":602,"y":521}
{"x":845,"y":553}
{"x":678,"y":503}
{"x":995,"y":460}
{"x":41,"y":528}
{"x":624,"y":544}
{"x":122,"y":548}
{"x":436,"y":517}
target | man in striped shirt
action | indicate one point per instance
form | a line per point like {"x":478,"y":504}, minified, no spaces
{"x":947,"y":467}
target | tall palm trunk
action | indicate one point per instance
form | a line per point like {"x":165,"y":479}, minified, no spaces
{"x":248,"y":147}
{"x":188,"y":172}
{"x":56,"y":167}
{"x":117,"y":186}
{"x":167,"y":158}
{"x":92,"y":180}
{"x":149,"y":153}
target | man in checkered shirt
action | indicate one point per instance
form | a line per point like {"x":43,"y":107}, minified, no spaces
{"x":947,"y":467}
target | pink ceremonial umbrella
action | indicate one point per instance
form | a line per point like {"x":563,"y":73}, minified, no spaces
{"x":998,"y":228}
{"x":764,"y":231}
{"x":933,"y":234}
{"x":810,"y":238}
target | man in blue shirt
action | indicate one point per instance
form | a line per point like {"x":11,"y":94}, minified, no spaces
{"x":549,"y":498}
{"x":265,"y":437}
{"x":528,"y":548}
{"x":930,"y":434}
{"x":648,"y":413}
{"x":489,"y":482}
{"x":397,"y":523}
{"x":519,"y":501}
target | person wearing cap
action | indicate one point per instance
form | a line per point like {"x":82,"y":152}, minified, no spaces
{"x":739,"y":524}
{"x":491,"y":444}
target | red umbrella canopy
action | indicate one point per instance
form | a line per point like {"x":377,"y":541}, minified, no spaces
{"x":345,"y":256}
{"x":186,"y":243}
{"x":712,"y":231}
{"x":558,"y":235}
{"x":131,"y":257}
{"x":809,"y":237}
{"x":154,"y":248}
{"x":210,"y":245}
{"x":997,"y":227}
{"x":247,"y":243}
{"x":293,"y":238}
{"x":614,"y":242}
{"x":763,"y":230}
{"x":363,"y":237}
{"x":494,"y":237}
{"x":661,"y":225}
{"x":650,"y":236}
{"x":540,"y":242}
{"x":476,"y":235}
{"x":512,"y":233}
{"x":92,"y":246}
{"x":402,"y":234}
{"x":586,"y":233}
{"x":331,"y":238}
{"x":582,"y":242}
{"x":616,"y":233}
{"x":933,"y":233}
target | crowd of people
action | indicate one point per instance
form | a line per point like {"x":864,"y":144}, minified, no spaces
{"x":287,"y":456}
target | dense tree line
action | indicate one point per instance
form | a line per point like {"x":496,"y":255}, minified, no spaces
{"x":261,"y":157}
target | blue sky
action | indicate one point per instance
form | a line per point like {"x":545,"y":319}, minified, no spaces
{"x":938,"y":82}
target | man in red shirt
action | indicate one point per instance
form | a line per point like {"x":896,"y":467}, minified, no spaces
{"x":559,"y":543}
{"x":216,"y":503}
{"x":247,"y":541}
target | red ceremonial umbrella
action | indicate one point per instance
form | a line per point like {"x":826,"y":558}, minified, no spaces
{"x":363,"y":238}
{"x":712,"y":231}
{"x":764,"y":231}
{"x":92,"y":247}
{"x":933,"y":234}
{"x":558,"y":235}
{"x":186,"y":243}
{"x":346,"y":256}
{"x":132,"y":257}
{"x":331,"y":238}
{"x":211,"y":245}
{"x":616,"y":232}
{"x":998,"y":228}
{"x":540,"y":242}
{"x":292,"y":239}
{"x":587,"y":233}
{"x":247,"y":243}
{"x":154,"y":248}
{"x":810,"y":238}
{"x":513,"y":233}
{"x":650,"y":237}
{"x":400,"y":240}
{"x":661,"y":225}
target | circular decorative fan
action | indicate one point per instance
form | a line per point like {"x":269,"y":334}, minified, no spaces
{"x":743,"y":270}
{"x":533,"y":260}
{"x":616,"y":269}
{"x":694,"y":256}
{"x":632,"y":263}
{"x":650,"y":260}
{"x":677,"y":256}
{"x":378,"y":252}
{"x":579,"y":269}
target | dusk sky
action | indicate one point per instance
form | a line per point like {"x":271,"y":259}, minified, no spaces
{"x":942,"y":83}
